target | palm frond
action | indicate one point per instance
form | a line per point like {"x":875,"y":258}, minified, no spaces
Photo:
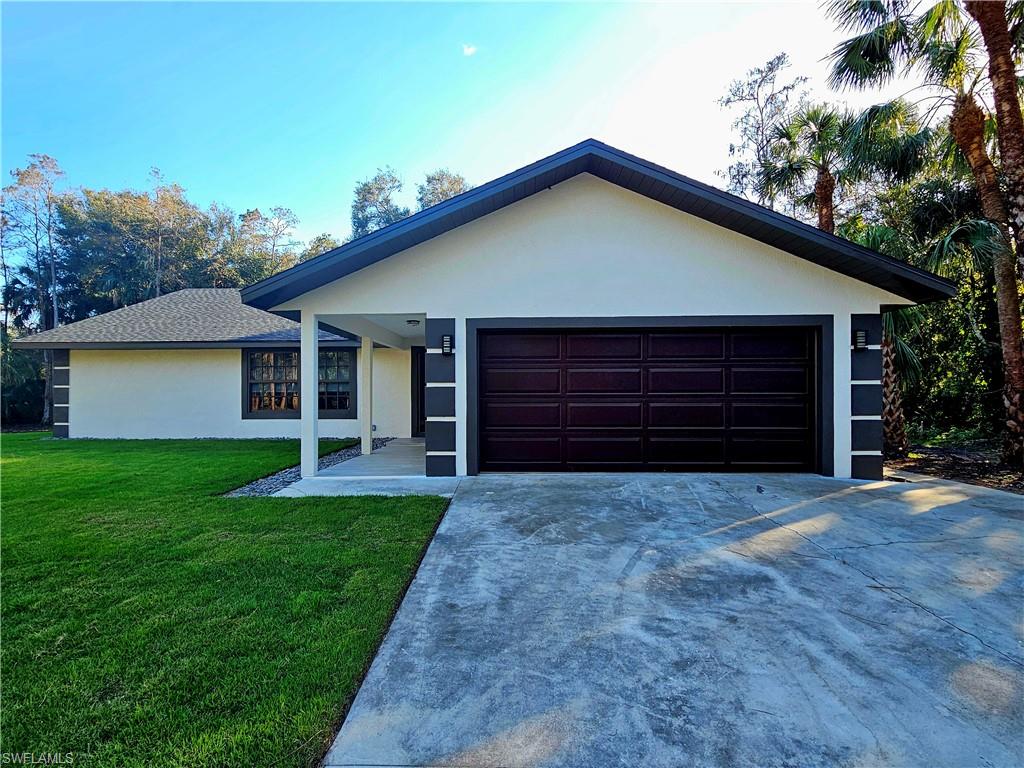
{"x":783,"y":177}
{"x":976,"y":240}
{"x":950,"y":63}
{"x":871,"y":57}
{"x":863,"y":14}
{"x":1015,"y":20}
{"x":897,"y":326}
{"x":889,"y":138}
{"x":941,"y":22}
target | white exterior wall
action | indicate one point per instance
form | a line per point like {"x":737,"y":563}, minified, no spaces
{"x":587,"y":248}
{"x":188,"y":393}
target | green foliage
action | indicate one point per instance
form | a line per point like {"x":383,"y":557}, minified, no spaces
{"x":319,"y":245}
{"x":935,"y":222}
{"x":21,"y":374}
{"x":147,"y":620}
{"x":897,"y":36}
{"x":374,"y":207}
{"x":903,"y":188}
{"x":764,"y":102}
{"x":807,"y":158}
{"x":439,"y":186}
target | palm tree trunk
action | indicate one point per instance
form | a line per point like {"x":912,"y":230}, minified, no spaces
{"x":824,"y":198}
{"x":995,"y":29}
{"x":967,"y":124}
{"x":894,"y":425}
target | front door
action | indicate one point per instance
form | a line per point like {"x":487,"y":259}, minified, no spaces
{"x":417,"y":384}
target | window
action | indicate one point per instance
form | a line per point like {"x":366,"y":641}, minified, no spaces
{"x":337,"y":383}
{"x":271,"y":384}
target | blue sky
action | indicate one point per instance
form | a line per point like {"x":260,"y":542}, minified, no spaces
{"x":261,"y":104}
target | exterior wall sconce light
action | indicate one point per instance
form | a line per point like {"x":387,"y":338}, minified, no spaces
{"x":860,"y":340}
{"x":447,"y":344}
{"x":413,"y":322}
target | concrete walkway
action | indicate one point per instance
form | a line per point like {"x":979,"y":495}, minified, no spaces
{"x":705,"y":620}
{"x":403,"y":456}
{"x":397,"y":469}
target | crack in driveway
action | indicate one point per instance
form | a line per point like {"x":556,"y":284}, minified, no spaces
{"x":880,"y":584}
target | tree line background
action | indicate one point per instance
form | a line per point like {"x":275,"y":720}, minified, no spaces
{"x":71,"y":253}
{"x":935,"y":178}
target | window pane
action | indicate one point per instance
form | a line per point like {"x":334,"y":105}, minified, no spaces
{"x":273,"y":381}
{"x":334,"y":379}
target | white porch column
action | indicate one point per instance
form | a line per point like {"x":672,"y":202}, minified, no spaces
{"x":309,"y":396}
{"x":366,"y":395}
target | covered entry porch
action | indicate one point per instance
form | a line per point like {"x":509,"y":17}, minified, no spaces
{"x":391,"y":400}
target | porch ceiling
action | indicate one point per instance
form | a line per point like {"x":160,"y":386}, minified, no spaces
{"x":400,"y":331}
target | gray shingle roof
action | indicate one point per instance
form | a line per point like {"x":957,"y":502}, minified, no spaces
{"x":194,"y":317}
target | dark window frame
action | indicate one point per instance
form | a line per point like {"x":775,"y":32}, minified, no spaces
{"x":352,"y":412}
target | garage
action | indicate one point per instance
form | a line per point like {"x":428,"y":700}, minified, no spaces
{"x":648,"y":399}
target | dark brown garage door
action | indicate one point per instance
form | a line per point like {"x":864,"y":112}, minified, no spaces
{"x":647,"y":400}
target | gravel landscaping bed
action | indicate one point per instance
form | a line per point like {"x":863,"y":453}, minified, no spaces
{"x":267,"y":486}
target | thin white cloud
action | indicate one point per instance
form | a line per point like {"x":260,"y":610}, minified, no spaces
{"x":468,"y":49}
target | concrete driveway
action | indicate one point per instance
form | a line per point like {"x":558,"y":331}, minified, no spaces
{"x":689,"y":620}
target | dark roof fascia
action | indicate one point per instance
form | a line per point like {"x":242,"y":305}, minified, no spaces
{"x":27,"y":343}
{"x":629,"y":172}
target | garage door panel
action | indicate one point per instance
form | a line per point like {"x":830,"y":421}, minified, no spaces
{"x":531,"y":415}
{"x":618,"y":381}
{"x":603,"y":346}
{"x":685,"y":415}
{"x":520,"y":347}
{"x":684,"y":381}
{"x":769,"y":345}
{"x":525,"y":449}
{"x":686,"y":450}
{"x":604,"y":449}
{"x":522,"y":381}
{"x":768,"y":449}
{"x":604,"y":415}
{"x":657,"y":400}
{"x":769,"y":416}
{"x":792,"y":380}
{"x":686,"y":346}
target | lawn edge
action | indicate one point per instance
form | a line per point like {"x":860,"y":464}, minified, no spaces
{"x":337,"y":724}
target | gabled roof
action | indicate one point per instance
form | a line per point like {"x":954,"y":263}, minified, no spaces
{"x":194,"y":317}
{"x":627,"y":171}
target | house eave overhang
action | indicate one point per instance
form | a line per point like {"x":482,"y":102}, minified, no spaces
{"x":629,"y":172}
{"x":28,"y":343}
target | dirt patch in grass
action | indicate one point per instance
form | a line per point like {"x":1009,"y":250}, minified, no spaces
{"x":977,"y":464}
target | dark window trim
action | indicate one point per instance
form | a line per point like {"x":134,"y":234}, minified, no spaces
{"x":351,"y":413}
{"x":823,"y":325}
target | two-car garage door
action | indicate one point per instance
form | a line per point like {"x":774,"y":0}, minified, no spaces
{"x":647,"y":400}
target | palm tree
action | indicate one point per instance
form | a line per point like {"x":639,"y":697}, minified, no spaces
{"x":810,"y":144}
{"x":941,"y":42}
{"x":993,"y":19}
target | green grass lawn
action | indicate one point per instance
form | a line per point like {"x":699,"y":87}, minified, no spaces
{"x":148,"y":621}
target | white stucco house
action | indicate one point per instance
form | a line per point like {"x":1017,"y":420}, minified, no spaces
{"x":591,"y":311}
